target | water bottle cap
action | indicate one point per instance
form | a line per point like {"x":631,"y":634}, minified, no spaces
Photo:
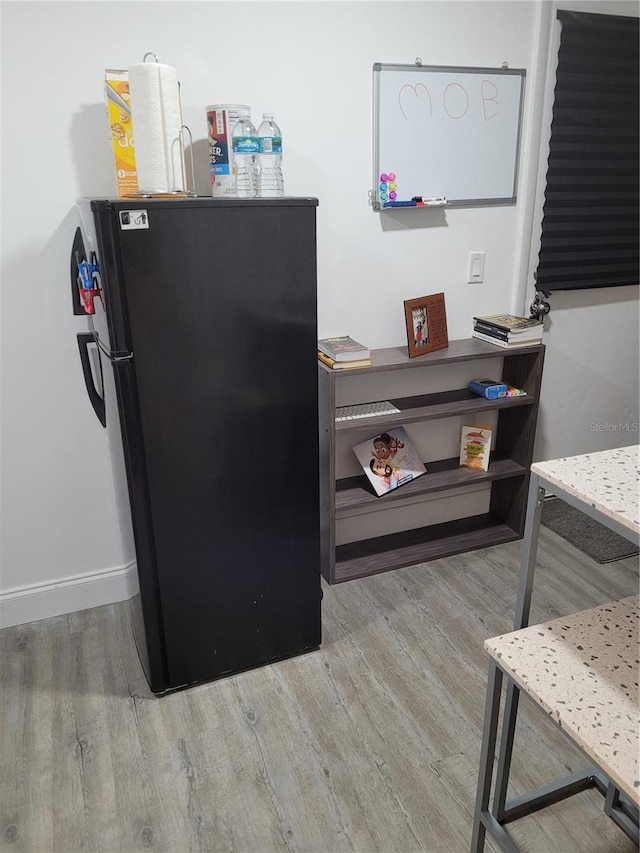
{"x":267,"y":115}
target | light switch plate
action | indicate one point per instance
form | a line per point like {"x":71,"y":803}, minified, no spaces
{"x":475,"y":273}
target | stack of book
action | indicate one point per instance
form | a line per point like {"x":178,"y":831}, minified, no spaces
{"x":507,"y":330}
{"x":343,"y":353}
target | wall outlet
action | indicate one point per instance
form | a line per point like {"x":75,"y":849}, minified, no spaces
{"x":475,"y":273}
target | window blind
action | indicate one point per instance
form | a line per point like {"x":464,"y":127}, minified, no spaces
{"x":590,"y":215}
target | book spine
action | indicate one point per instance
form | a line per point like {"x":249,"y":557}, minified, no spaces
{"x":524,"y":324}
{"x":344,"y":365}
{"x":511,"y":337}
{"x":347,"y":356}
{"x":490,"y":339}
{"x":351,"y":365}
{"x":501,"y":326}
{"x":506,"y":344}
{"x":488,"y":329}
{"x":343,"y":349}
{"x":325,"y":359}
{"x":529,"y":332}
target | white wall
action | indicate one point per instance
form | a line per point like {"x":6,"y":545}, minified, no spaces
{"x":309,"y":62}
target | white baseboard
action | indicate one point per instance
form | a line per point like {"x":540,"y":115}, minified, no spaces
{"x":66,"y":595}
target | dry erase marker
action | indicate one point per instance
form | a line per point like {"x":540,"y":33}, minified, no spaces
{"x":439,"y":199}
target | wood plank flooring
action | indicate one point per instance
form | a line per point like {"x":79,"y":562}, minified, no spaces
{"x":370,"y":744}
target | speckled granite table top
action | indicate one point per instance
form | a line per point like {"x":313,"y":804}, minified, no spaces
{"x":608,"y":480}
{"x":582,"y":670}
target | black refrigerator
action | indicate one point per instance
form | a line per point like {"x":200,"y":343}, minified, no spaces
{"x":205,"y":312}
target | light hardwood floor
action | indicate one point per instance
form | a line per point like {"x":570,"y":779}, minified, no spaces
{"x":370,"y":744}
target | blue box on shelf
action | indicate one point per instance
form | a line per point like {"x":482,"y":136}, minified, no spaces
{"x":488,"y":388}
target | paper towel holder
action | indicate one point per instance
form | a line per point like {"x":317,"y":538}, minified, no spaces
{"x":176,"y":193}
{"x":192,"y":192}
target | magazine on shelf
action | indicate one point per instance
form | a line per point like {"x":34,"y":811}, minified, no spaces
{"x":389,"y":460}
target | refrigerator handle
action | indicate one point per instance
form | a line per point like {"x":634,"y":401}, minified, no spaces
{"x":97,"y":401}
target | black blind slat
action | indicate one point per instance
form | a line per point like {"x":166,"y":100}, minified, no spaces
{"x":628,"y":150}
{"x":593,"y":230}
{"x":581,"y":242}
{"x":590,"y":181}
{"x":590,"y":216}
{"x":593,"y":132}
{"x":614,"y":84}
{"x":586,"y":167}
{"x":581,"y":116}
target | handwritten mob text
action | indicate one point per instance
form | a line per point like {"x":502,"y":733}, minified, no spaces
{"x":454,"y":102}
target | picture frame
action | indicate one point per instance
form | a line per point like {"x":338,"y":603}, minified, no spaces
{"x":426,"y":320}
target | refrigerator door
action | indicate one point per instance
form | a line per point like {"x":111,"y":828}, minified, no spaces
{"x":217,"y":301}
{"x":114,"y":396}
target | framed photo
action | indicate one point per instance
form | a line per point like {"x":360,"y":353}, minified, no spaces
{"x":426,"y":319}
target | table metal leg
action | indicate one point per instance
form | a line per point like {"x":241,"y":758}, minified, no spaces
{"x":529,"y":552}
{"x":621,"y":812}
{"x":506,"y":750}
{"x":487,"y":754}
{"x":523,"y":608}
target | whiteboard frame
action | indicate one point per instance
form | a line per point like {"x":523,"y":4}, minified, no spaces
{"x":378,"y":67}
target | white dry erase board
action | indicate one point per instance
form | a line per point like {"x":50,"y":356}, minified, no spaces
{"x":446,"y":131}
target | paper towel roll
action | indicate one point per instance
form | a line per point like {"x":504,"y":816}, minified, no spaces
{"x":157,"y":119}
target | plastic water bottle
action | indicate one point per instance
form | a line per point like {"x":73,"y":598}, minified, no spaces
{"x":245,"y":151}
{"x":270,"y":180}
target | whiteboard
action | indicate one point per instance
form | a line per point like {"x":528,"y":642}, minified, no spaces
{"x":446,"y":131}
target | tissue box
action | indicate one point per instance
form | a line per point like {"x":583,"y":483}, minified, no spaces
{"x":116,"y":86}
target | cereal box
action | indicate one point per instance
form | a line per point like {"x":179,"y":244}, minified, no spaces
{"x":116,"y":84}
{"x":220,"y":121}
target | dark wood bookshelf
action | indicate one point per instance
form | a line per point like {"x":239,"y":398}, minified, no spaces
{"x":507,"y":476}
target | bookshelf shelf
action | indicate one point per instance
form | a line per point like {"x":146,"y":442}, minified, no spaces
{"x":373,"y":556}
{"x":354,"y":492}
{"x":427,"y":407}
{"x":507,"y":476}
